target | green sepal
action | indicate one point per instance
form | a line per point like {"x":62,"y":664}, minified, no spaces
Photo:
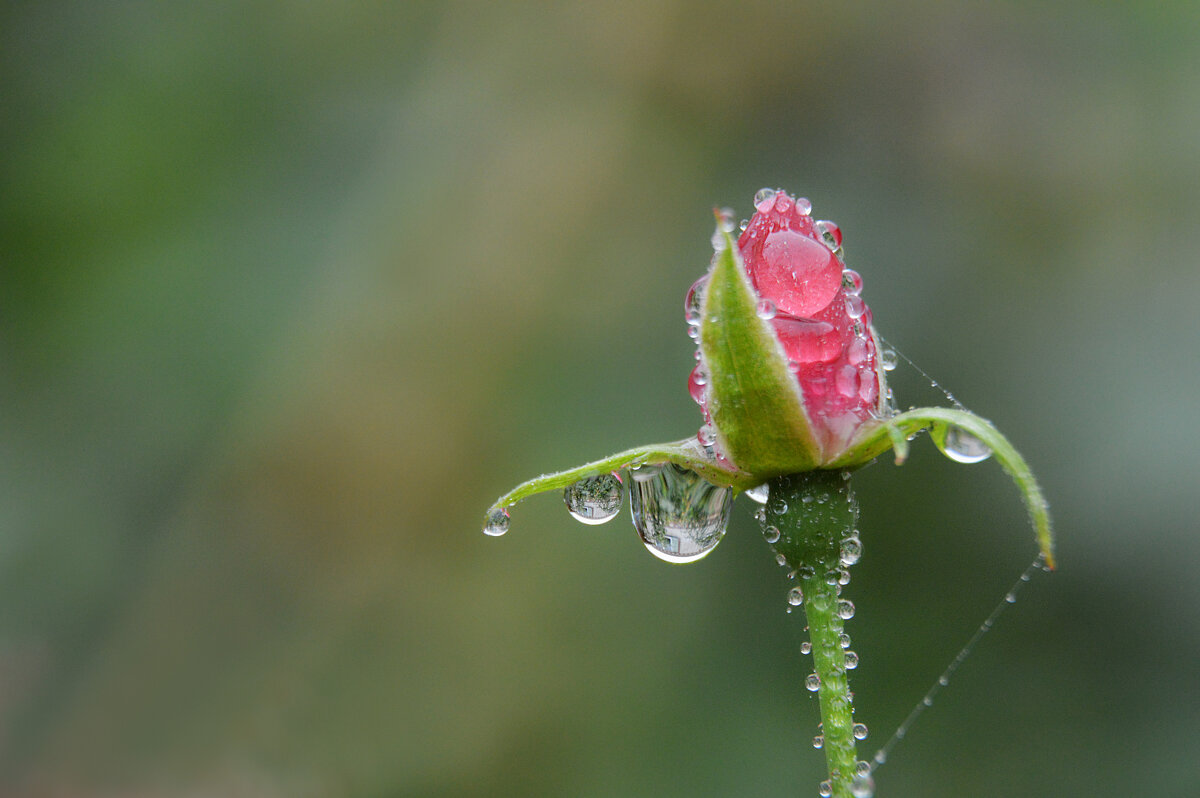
{"x":876,"y":439}
{"x":755,"y":402}
{"x":686,"y":453}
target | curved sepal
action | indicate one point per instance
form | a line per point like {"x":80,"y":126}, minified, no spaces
{"x":686,"y":454}
{"x":877,"y":439}
{"x":756,"y":406}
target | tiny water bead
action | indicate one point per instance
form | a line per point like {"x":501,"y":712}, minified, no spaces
{"x":594,"y":500}
{"x":679,"y":515}
{"x":851,"y":660}
{"x":825,"y":789}
{"x":806,"y":647}
{"x":963,"y":447}
{"x":845,"y":609}
{"x":765,"y":309}
{"x":764,"y":197}
{"x":851,"y":551}
{"x":889,"y":359}
{"x":819,"y":741}
{"x":497,"y":522}
{"x":771,"y":533}
{"x":860,"y":731}
{"x":812,"y":683}
{"x":694,"y":300}
{"x":844,"y":640}
{"x":795,"y":597}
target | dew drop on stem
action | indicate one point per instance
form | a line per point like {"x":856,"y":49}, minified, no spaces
{"x":963,"y":447}
{"x":680,"y":516}
{"x":497,"y":522}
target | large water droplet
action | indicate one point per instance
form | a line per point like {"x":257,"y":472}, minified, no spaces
{"x":693,"y":301}
{"x":863,"y":786}
{"x":594,"y":500}
{"x":830,"y":234}
{"x":963,"y":447}
{"x":758,"y":493}
{"x":680,"y":516}
{"x":764,"y":197}
{"x":497,"y":522}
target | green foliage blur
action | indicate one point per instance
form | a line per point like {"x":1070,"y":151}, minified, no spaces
{"x":290,"y":292}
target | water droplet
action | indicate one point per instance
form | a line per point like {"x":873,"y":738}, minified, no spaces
{"x":1011,"y":598}
{"x":963,"y":447}
{"x":795,"y":597}
{"x":771,"y":533}
{"x":694,"y":300}
{"x":844,"y":640}
{"x":943,"y":680}
{"x":706,"y":435}
{"x":862,"y":768}
{"x":680,"y":516}
{"x":764,"y":199}
{"x":812,"y":683}
{"x":825,"y":789}
{"x":851,"y":660}
{"x":779,"y":558}
{"x":845,"y":609}
{"x":806,"y":647}
{"x":843,"y":577}
{"x":819,"y":741}
{"x":758,"y":493}
{"x":889,"y":359}
{"x":855,"y":307}
{"x":497,"y":522}
{"x":594,"y":500}
{"x":852,"y":282}
{"x":743,"y":224}
{"x":851,"y":551}
{"x":830,"y":234}
{"x":860,"y":731}
{"x":803,"y":206}
{"x":765,"y":309}
{"x":778,"y":506}
{"x":807,"y":572}
{"x":927,"y":701}
{"x":863,"y":786}
{"x":693,"y":333}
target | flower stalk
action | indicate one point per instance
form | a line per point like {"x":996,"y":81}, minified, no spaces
{"x":815,"y":514}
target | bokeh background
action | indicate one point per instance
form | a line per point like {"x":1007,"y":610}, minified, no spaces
{"x":289,"y":292}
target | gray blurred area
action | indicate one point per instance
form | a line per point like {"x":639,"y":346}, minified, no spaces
{"x":290,"y":292}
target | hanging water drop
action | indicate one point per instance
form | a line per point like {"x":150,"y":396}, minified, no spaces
{"x":825,"y":789}
{"x":594,"y":500}
{"x":863,"y":786}
{"x":889,"y":359}
{"x":771,"y":533}
{"x":680,"y":516}
{"x":860,"y":731}
{"x":845,"y":609}
{"x":497,"y":522}
{"x":812,"y":683}
{"x":795,"y":597}
{"x":963,"y":447}
{"x":694,"y":300}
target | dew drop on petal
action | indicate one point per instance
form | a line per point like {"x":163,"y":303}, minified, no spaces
{"x":594,"y":500}
{"x":963,"y":447}
{"x":694,"y":300}
{"x":855,"y":307}
{"x":799,"y":273}
{"x":852,"y":282}
{"x":764,"y":196}
{"x":679,"y":515}
{"x":497,"y":522}
{"x":830,"y":234}
{"x":765,"y":309}
{"x":803,"y":206}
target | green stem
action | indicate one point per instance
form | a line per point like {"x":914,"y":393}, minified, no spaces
{"x":814,"y":513}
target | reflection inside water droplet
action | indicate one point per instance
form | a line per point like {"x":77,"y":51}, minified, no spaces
{"x":680,"y":516}
{"x":594,"y":500}
{"x":963,"y":447}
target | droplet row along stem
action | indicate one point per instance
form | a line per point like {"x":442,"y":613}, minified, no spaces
{"x":814,"y":513}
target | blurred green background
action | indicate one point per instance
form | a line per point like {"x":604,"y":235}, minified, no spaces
{"x":290,"y":292}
